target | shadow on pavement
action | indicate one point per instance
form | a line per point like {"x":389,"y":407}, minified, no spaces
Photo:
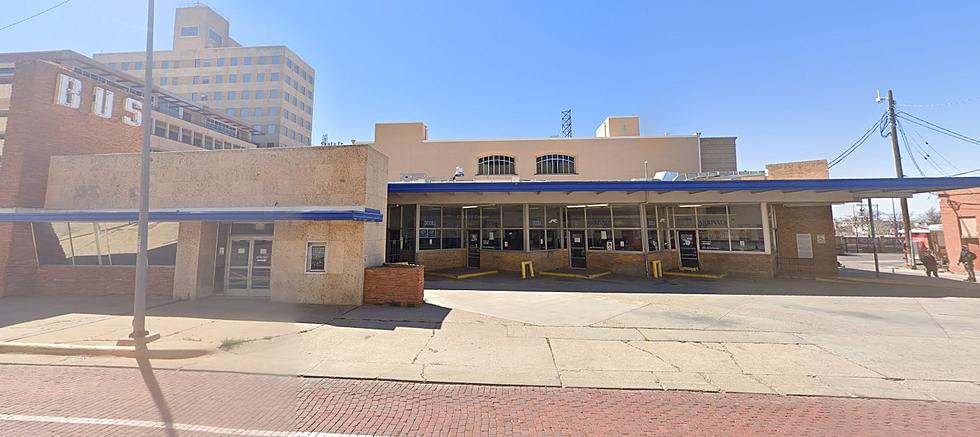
{"x":153,"y":387}
{"x":20,"y":309}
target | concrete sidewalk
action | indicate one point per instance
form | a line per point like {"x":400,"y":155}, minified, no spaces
{"x":883,"y":347}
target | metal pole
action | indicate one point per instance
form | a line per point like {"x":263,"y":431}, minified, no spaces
{"x":139,"y":298}
{"x":646,"y":175}
{"x":874,"y":244}
{"x":906,"y":221}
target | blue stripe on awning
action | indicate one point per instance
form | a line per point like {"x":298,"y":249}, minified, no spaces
{"x":914,"y":185}
{"x":197,"y":215}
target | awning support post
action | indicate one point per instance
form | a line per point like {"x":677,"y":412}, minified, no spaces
{"x":874,"y":243}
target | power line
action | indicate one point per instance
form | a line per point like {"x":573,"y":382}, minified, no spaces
{"x":965,"y":172}
{"x":34,"y":16}
{"x":925,"y":154}
{"x":937,"y":152}
{"x":935,"y":127}
{"x":848,"y":151}
{"x":909,"y":149}
{"x":939,"y":105}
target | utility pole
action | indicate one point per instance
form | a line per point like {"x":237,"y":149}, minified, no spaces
{"x":139,"y":334}
{"x":906,"y":221}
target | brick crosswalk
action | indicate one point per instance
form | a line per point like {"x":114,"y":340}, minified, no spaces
{"x":39,"y":400}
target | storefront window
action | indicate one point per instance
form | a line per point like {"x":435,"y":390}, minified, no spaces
{"x":735,"y":228}
{"x":440,"y":227}
{"x":627,"y":234}
{"x":544,"y":224}
{"x":92,"y":244}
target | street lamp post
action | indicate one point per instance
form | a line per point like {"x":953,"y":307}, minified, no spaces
{"x":139,"y":295}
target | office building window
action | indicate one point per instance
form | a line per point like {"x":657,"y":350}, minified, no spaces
{"x":187,"y":31}
{"x":288,"y":80}
{"x":273,"y":111}
{"x":174,"y":133}
{"x":231,"y":111}
{"x":257,"y":128}
{"x":139,"y":66}
{"x":112,"y":65}
{"x":243,"y":112}
{"x":274,"y":77}
{"x":273,"y":94}
{"x":275,"y":59}
{"x":215,"y":38}
{"x":125,"y":66}
{"x":217,"y":95}
{"x":208,"y":142}
{"x":285,"y":114}
{"x":198,"y":139}
{"x":232,"y":95}
{"x":196,"y":80}
{"x":164,"y":64}
{"x":271,"y":129}
{"x":246,"y":94}
{"x":258,"y":111}
{"x":260,"y":77}
{"x":556,"y":164}
{"x":496,"y":165}
{"x":220,"y":62}
{"x":260,"y":60}
{"x":247,"y":77}
{"x":164,"y":80}
{"x":233,"y":61}
{"x":289,"y":63}
{"x":232,"y":78}
{"x":440,"y":227}
{"x":219,"y":78}
{"x":159,"y":128}
{"x":259,"y":94}
{"x":197,"y":63}
{"x":175,"y":81}
{"x":247,"y":60}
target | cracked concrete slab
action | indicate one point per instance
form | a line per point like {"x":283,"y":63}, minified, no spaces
{"x":605,"y":355}
{"x":874,"y":387}
{"x":609,"y":379}
{"x":715,"y":336}
{"x":448,"y":373}
{"x":787,"y":359}
{"x":737,"y":383}
{"x":574,"y":332}
{"x":692,"y":357}
{"x":800,"y":385}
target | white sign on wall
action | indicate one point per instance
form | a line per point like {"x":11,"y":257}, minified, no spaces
{"x":68,"y":93}
{"x":804,"y":246}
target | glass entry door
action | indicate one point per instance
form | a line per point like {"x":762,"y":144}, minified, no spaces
{"x":576,"y":249}
{"x":249,"y":267}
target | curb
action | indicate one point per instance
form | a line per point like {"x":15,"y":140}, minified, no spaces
{"x":93,"y":350}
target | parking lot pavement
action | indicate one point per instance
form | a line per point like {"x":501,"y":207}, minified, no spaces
{"x":868,"y":342}
{"x":44,"y":400}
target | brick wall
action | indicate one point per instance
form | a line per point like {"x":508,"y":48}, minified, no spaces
{"x":813,"y":220}
{"x":756,"y":265}
{"x":510,"y":261}
{"x":622,"y":263}
{"x":441,"y":259}
{"x":37,"y":129}
{"x":954,"y":205}
{"x":816,"y":169}
{"x":101,"y":281}
{"x":399,"y":284}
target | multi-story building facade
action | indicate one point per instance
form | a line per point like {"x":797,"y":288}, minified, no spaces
{"x":268,"y":87}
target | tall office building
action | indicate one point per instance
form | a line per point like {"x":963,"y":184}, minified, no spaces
{"x":268,"y":87}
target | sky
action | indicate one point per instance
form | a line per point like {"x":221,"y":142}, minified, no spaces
{"x":792,"y":80}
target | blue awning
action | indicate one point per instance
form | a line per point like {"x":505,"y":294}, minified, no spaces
{"x":882,"y":185}
{"x":194,"y":214}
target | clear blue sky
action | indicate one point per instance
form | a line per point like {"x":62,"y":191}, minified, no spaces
{"x":792,"y":80}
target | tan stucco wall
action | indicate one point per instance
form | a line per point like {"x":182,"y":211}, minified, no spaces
{"x":315,"y":176}
{"x":612,"y":158}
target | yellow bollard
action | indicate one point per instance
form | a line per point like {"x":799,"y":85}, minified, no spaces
{"x":656,"y":269}
{"x":527,"y":267}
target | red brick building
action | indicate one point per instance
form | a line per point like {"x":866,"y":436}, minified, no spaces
{"x":960,"y":210}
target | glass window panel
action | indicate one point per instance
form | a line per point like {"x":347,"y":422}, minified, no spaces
{"x":491,"y":217}
{"x":626,"y":216}
{"x":553,"y":215}
{"x":712,"y":221}
{"x":714,"y":240}
{"x":535,"y":216}
{"x":451,"y":239}
{"x":628,"y":240}
{"x":664,"y":217}
{"x":452,"y":217}
{"x":161,"y":243}
{"x":430,"y":217}
{"x":83,"y":244}
{"x":472,"y":218}
{"x":513,"y":239}
{"x":491,"y":239}
{"x":316,"y":257}
{"x":536,"y":239}
{"x":122,"y":242}
{"x":745,"y":216}
{"x":653,"y":240}
{"x":429,"y":239}
{"x":552,"y":239}
{"x":598,"y":217}
{"x":513,"y":216}
{"x":748,"y":240}
{"x":684,"y":221}
{"x":393,"y":219}
{"x":576,"y":218}
{"x":53,"y":243}
{"x":598,"y":238}
{"x":651,"y":216}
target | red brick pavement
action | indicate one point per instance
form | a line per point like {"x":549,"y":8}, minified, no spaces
{"x":255,"y":402}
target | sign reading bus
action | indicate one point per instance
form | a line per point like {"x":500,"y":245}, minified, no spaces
{"x":69,"y":95}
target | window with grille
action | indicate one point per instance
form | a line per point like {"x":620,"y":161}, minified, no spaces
{"x":496,"y":165}
{"x":556,"y":164}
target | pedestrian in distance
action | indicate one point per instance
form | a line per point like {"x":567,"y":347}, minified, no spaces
{"x":929,"y":260}
{"x":967,"y":258}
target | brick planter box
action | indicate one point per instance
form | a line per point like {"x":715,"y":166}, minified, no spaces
{"x":401,"y":284}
